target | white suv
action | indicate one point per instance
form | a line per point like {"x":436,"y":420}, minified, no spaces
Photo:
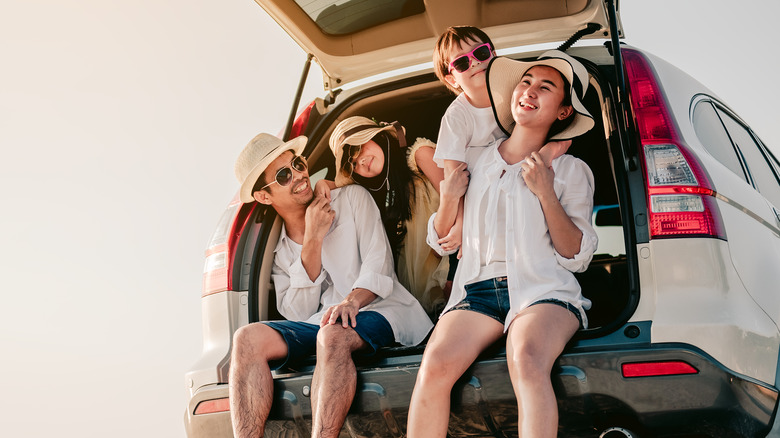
{"x":683,"y":338}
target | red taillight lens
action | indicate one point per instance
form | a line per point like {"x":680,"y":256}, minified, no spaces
{"x":213,"y":406}
{"x":680,"y":195}
{"x":222,"y":246}
{"x":654,"y":369}
{"x":301,"y":120}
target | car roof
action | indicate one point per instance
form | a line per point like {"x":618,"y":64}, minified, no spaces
{"x":355,"y":39}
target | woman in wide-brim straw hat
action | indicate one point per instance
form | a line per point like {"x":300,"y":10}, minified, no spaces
{"x":374,"y":155}
{"x":526,"y":230}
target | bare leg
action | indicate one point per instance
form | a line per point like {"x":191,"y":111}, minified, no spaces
{"x":459,"y":337}
{"x":251,"y":383}
{"x":335,"y":379}
{"x":535,"y":339}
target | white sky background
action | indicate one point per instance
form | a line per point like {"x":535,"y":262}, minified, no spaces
{"x":119,"y":126}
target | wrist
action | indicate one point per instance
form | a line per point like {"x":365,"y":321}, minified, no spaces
{"x":449,"y":197}
{"x":547,"y":196}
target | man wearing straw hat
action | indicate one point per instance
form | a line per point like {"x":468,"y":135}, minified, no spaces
{"x":335,"y":283}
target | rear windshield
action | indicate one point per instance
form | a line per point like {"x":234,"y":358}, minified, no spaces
{"x":340,"y":17}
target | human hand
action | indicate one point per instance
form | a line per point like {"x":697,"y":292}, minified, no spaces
{"x":453,"y":239}
{"x":538,"y":177}
{"x":454,"y":184}
{"x":321,"y":188}
{"x":347,"y":311}
{"x":319,"y":217}
{"x":553,"y":150}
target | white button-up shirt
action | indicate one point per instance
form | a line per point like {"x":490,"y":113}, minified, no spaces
{"x":505,"y":234}
{"x":355,"y":254}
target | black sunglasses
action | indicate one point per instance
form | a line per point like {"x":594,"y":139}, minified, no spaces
{"x":284,"y":175}
{"x":483,"y":52}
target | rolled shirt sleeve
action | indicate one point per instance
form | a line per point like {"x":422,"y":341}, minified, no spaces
{"x":297,"y":297}
{"x":577,"y":200}
{"x":433,"y":238}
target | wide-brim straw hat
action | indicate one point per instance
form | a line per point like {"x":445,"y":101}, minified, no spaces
{"x":356,"y":131}
{"x":257,"y":155}
{"x":503,"y":75}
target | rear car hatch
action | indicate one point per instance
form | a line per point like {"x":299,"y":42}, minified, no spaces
{"x":356,"y":39}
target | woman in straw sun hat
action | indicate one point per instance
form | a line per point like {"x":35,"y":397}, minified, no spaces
{"x":526,"y":230}
{"x":403,"y":183}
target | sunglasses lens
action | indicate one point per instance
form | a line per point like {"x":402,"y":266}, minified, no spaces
{"x":482,"y":53}
{"x":354,"y":151}
{"x":284,"y":176}
{"x":299,"y":164}
{"x":461,"y":64}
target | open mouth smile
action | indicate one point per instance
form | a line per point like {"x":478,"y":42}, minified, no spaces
{"x":527,"y":105}
{"x":302,"y":186}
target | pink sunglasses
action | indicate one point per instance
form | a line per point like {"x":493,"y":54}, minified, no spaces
{"x":481,"y":53}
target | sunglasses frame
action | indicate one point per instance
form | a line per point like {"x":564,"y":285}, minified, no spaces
{"x":469,"y":56}
{"x":351,"y":157}
{"x":292,"y":168}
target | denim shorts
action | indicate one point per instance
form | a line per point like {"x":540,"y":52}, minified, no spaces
{"x":301,"y":337}
{"x":491,"y":298}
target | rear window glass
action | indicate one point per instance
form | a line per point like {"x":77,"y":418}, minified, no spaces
{"x":713,"y":136}
{"x":342,"y":17}
{"x":761,"y":171}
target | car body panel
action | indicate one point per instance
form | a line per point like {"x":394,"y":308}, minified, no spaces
{"x":700,"y":300}
{"x":410,"y":40}
{"x":222,"y":314}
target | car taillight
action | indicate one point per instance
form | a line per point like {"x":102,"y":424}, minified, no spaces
{"x":680,"y":195}
{"x":301,"y":120}
{"x":653,"y":369}
{"x":222,"y":247}
{"x":213,"y":406}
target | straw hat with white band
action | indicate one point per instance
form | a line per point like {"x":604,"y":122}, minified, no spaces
{"x":257,"y":155}
{"x":357,"y":131}
{"x":503,"y":75}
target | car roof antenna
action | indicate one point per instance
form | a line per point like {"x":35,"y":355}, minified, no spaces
{"x":589,"y":29}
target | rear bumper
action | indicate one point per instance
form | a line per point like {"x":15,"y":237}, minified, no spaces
{"x":592,"y":396}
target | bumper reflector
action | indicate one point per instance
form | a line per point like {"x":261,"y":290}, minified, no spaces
{"x":213,"y":406}
{"x":652,"y":369}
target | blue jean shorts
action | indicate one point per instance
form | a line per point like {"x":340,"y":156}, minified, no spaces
{"x":491,"y":298}
{"x":301,"y":337}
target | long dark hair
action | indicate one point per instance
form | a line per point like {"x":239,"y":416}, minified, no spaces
{"x":560,"y":125}
{"x":392,"y":190}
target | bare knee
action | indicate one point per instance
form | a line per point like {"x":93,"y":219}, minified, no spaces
{"x":257,"y":342}
{"x":335,"y":340}
{"x":528,"y":362}
{"x":438,"y":368}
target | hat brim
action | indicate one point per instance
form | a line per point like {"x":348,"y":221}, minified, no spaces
{"x":503,"y":75}
{"x":359,"y":138}
{"x":296,"y":145}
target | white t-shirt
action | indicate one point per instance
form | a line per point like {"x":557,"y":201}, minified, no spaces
{"x":355,"y":254}
{"x":465,"y":132}
{"x":504,"y":219}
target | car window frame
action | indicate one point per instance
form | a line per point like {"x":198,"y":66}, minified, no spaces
{"x":704,"y":100}
{"x":769,"y":158}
